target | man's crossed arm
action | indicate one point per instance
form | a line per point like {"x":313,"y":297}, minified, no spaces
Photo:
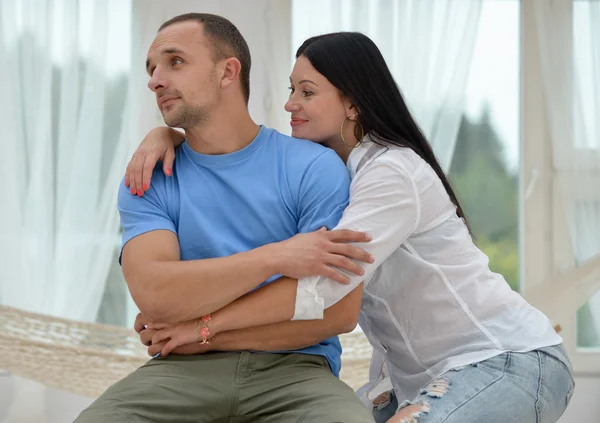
{"x":281,"y":336}
{"x":168,"y":290}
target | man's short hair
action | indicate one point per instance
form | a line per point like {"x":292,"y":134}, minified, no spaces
{"x":226,"y":42}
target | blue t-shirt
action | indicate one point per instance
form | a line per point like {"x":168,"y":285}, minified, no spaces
{"x":219,"y":205}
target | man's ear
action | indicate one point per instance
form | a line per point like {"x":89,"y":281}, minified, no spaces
{"x":231,"y":69}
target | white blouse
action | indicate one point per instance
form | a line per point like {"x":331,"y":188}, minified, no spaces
{"x":430,"y":301}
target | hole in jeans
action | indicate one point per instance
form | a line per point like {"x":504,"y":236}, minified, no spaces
{"x":409,"y":412}
{"x":436,"y":388}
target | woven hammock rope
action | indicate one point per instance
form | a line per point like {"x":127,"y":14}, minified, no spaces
{"x":86,"y":358}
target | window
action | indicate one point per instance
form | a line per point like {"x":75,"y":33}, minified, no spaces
{"x":585,"y":21}
{"x":588,"y":244}
{"x":485,"y":165}
{"x":586,"y":153}
{"x":561,"y":148}
{"x":587,"y":208}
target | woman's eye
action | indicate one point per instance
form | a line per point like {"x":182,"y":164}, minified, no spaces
{"x":291,"y":89}
{"x":307,"y":93}
{"x":176,"y":61}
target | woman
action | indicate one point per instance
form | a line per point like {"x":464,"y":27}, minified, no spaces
{"x":452,"y":342}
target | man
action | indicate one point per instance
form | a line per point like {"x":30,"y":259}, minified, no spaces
{"x":196,"y":241}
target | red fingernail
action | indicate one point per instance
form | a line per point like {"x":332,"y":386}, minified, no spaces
{"x":169,"y":172}
{"x":140,"y":192}
{"x":132,"y":190}
{"x":145,"y":187}
{"x":126,"y":182}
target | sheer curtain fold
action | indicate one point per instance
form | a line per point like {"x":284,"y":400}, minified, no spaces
{"x":569,"y":39}
{"x":428,"y":46}
{"x":60,"y":172}
{"x":70,"y":121}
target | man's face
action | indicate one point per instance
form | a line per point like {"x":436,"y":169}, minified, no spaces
{"x":183,"y":74}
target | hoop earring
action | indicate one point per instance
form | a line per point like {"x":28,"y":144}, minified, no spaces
{"x":362,"y":131}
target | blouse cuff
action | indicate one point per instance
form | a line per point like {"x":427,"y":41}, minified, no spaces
{"x":309,"y":305}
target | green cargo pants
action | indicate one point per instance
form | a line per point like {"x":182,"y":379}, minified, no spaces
{"x":230,"y":388}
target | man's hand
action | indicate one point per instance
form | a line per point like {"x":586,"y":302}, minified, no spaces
{"x":189,"y":349}
{"x":141,"y":327}
{"x":319,"y":253}
{"x":149,"y":330}
{"x":140,"y":323}
{"x":175,"y":336}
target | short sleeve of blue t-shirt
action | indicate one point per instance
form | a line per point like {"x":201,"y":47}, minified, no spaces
{"x":323,"y":193}
{"x":146,"y":213}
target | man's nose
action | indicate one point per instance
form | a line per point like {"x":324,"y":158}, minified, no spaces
{"x":156,"y":82}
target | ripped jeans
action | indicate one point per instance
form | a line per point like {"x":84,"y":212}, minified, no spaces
{"x":533,"y":387}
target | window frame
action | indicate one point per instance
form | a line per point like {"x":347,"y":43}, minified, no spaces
{"x":547,"y":256}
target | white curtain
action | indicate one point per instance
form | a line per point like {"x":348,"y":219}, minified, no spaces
{"x":569,"y":40}
{"x":59,"y":171}
{"x":428,"y":45}
{"x":70,"y":120}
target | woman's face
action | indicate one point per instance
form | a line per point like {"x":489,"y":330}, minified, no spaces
{"x":316,"y":106}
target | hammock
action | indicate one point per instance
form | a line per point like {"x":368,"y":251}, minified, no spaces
{"x":86,"y":358}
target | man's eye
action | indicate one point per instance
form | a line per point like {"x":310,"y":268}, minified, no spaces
{"x":176,"y":61}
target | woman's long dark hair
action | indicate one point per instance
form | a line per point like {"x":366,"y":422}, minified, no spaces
{"x":352,"y":62}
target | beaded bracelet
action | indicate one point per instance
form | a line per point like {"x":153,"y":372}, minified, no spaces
{"x":203,"y":333}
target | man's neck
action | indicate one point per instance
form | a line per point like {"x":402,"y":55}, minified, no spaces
{"x":226,"y":131}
